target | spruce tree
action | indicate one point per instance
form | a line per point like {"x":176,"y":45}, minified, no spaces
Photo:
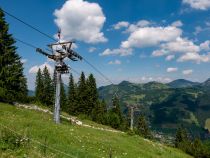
{"x":63,"y":98}
{"x":143,"y":128}
{"x":181,"y":136}
{"x":48,"y":90}
{"x":13,"y":85}
{"x":72,"y":96}
{"x":116,"y":107}
{"x":39,"y":86}
{"x":99,"y":112}
{"x":92,"y":95}
{"x":82,"y":95}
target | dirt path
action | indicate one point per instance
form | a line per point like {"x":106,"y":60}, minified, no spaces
{"x":72,"y":119}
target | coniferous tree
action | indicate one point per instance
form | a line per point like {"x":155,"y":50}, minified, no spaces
{"x":63,"y":98}
{"x":39,"y":86}
{"x":143,"y":128}
{"x":82,"y":95}
{"x":48,"y":90}
{"x":72,"y":96}
{"x":13,"y":85}
{"x":116,"y":107}
{"x":181,"y":136}
{"x":99,"y":112}
{"x":92,"y":94}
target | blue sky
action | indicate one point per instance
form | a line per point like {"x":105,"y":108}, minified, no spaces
{"x":135,"y":40}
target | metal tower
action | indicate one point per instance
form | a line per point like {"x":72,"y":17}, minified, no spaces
{"x":59,"y":51}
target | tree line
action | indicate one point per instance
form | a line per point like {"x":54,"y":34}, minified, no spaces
{"x":193,"y":146}
{"x":81,"y":99}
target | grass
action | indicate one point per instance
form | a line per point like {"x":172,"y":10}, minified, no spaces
{"x":76,"y":141}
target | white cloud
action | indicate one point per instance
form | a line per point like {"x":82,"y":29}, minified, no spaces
{"x":181,"y":45}
{"x":143,"y":23}
{"x":81,"y":20}
{"x":120,"y":52}
{"x":172,"y":69}
{"x":139,"y":24}
{"x":121,"y":24}
{"x":187,"y":72}
{"x":198,"y":4}
{"x":92,"y":49}
{"x":158,"y":53}
{"x":205,"y":45}
{"x":193,"y":57}
{"x":23,"y":61}
{"x":144,"y":79}
{"x":170,"y":57}
{"x":116,"y":62}
{"x":177,"y":23}
{"x":151,"y":36}
{"x":35,"y":68}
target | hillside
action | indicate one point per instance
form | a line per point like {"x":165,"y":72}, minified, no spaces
{"x":181,"y":83}
{"x":68,"y":140}
{"x":166,"y":105}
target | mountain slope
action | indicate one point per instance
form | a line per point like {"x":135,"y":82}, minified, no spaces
{"x":73,"y":141}
{"x":181,"y":83}
{"x":166,"y":107}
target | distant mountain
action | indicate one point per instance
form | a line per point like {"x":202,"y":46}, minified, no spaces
{"x":206,"y":83}
{"x":165,"y":105}
{"x":181,"y":83}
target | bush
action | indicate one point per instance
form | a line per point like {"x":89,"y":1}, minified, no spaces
{"x":10,"y":140}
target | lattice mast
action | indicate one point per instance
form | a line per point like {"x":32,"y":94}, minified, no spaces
{"x":59,"y":51}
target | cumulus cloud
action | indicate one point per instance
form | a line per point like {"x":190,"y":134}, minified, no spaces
{"x":115,"y":62}
{"x":181,"y":45}
{"x":144,"y":79}
{"x":143,"y":23}
{"x":139,"y":24}
{"x":35,"y":68}
{"x":158,"y":53}
{"x":193,"y":57}
{"x":172,"y":69}
{"x":120,"y":52}
{"x":121,"y":24}
{"x":151,"y":36}
{"x":170,"y":57}
{"x":81,"y":20}
{"x":177,"y":23}
{"x":187,"y":72}
{"x":205,"y":45}
{"x":92,"y":49}
{"x":198,"y":4}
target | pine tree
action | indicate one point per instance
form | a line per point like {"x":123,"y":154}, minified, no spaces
{"x":143,"y":128}
{"x":63,"y":98}
{"x":72,"y":96}
{"x":82,"y":95}
{"x":48,"y":90}
{"x":181,"y":136}
{"x":39,"y":86}
{"x":92,"y":94}
{"x":13,"y":85}
{"x":116,"y":107}
{"x":99,"y":112}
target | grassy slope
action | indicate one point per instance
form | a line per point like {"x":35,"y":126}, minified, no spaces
{"x":75,"y":140}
